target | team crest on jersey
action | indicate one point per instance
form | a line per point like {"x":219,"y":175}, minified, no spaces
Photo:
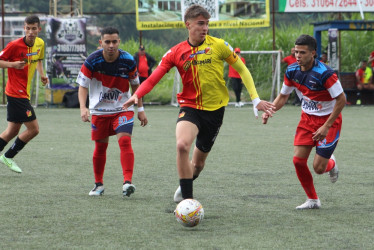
{"x":186,"y":65}
{"x":208,"y":51}
{"x":28,"y":113}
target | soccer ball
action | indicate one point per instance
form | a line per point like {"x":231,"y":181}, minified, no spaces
{"x":189,"y":212}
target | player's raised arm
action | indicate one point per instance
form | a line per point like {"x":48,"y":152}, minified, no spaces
{"x":141,"y":113}
{"x":145,"y":87}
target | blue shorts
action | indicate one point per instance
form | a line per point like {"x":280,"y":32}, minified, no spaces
{"x":309,"y":124}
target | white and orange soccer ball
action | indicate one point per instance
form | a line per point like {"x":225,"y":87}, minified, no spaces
{"x":189,"y":212}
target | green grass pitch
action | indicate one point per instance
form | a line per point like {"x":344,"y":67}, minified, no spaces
{"x":249,"y":189}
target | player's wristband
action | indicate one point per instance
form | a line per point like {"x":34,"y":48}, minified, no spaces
{"x":256,"y":101}
{"x":140,"y":109}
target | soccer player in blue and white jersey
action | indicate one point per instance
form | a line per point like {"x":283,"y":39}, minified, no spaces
{"x":106,"y":76}
{"x":323,"y":99}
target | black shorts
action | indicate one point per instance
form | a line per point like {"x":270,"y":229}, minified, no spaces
{"x":19,"y":110}
{"x":208,"y":123}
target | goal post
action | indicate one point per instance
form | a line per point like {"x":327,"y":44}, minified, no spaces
{"x":275,"y":56}
{"x":265,"y":68}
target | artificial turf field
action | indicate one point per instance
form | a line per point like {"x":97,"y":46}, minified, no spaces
{"x":249,"y":189}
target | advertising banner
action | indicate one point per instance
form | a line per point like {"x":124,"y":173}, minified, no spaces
{"x":332,"y":55}
{"x":225,"y":14}
{"x":326,"y":5}
{"x":65,"y":50}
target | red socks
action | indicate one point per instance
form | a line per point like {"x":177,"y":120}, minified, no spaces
{"x":305,"y":177}
{"x":330,"y":165}
{"x":127,"y":157}
{"x":99,"y":159}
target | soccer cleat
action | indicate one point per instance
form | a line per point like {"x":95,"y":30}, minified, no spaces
{"x":334,"y":173}
{"x":128,"y":189}
{"x":237,"y":105}
{"x":310,"y":204}
{"x":178,"y":195}
{"x":10,"y":163}
{"x":97,"y":190}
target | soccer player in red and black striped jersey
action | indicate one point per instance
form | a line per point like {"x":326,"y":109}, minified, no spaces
{"x":21,"y":56}
{"x":323,"y":99}
{"x":200,"y":62}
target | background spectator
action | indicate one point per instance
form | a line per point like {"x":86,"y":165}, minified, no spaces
{"x":290,"y":59}
{"x":144,"y":62}
{"x":364,"y":76}
{"x":236,"y":81}
{"x":371,"y":59}
{"x":324,"y":58}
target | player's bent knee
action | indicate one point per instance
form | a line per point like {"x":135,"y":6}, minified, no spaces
{"x":319,"y":169}
{"x":182,"y":146}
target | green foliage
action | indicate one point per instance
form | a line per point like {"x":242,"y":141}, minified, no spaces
{"x":249,"y":189}
{"x":163,"y":90}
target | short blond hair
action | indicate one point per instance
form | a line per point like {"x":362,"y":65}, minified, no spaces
{"x":194,"y":11}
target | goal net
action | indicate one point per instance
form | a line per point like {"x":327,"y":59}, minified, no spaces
{"x":265,"y":67}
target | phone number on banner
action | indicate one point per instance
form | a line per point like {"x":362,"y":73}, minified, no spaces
{"x":329,"y":5}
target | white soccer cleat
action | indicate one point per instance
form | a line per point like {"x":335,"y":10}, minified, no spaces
{"x":310,"y":204}
{"x":128,"y":189}
{"x":334,"y":173}
{"x":98,"y":190}
{"x":178,"y":195}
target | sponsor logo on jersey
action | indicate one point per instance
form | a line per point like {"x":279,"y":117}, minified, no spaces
{"x":207,"y":51}
{"x":33,"y":53}
{"x":187,"y":64}
{"x":110,"y":96}
{"x":311,"y":105}
{"x":202,"y":62}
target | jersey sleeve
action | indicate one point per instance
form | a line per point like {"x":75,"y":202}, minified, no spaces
{"x":133,"y":75}
{"x":41,"y":56}
{"x":246,"y":78}
{"x":6,"y":53}
{"x":151,"y":81}
{"x":85,"y":75}
{"x":287,"y":86}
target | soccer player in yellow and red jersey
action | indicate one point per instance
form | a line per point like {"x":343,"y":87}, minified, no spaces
{"x":21,"y":56}
{"x":199,"y":61}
